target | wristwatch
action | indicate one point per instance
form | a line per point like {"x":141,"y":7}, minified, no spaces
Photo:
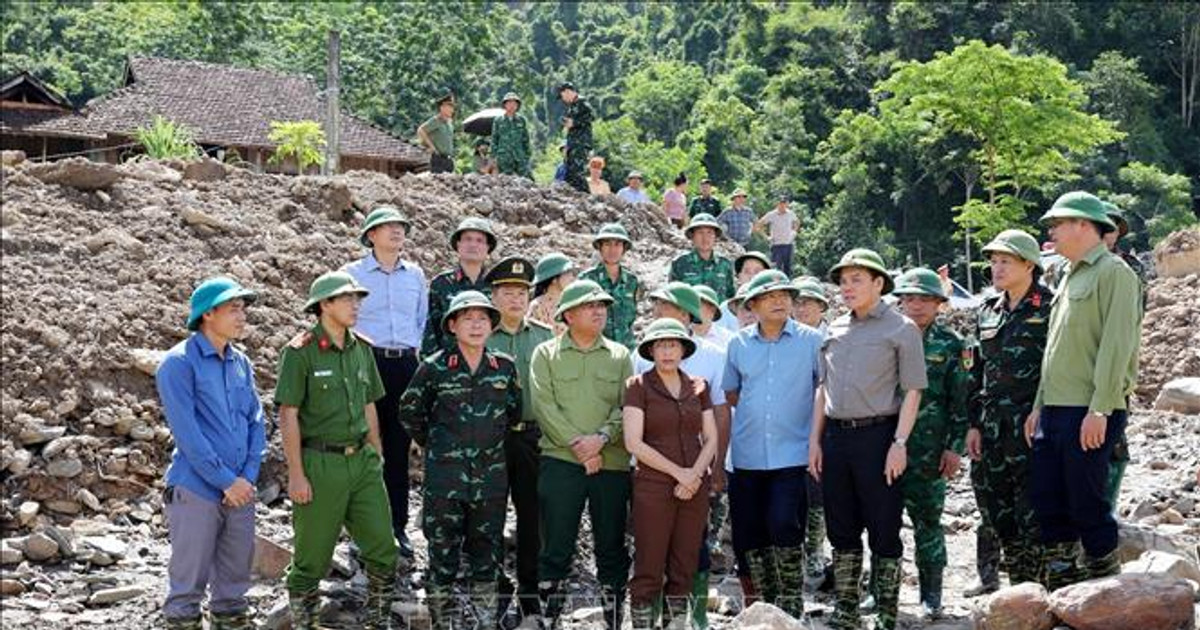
{"x":899,"y":441}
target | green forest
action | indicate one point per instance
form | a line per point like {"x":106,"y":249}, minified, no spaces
{"x":899,"y":126}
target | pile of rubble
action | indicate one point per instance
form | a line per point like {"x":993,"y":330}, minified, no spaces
{"x":1171,"y":330}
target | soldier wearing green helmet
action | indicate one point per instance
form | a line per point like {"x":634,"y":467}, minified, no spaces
{"x":473,"y":241}
{"x":612,"y":242}
{"x":702,"y":265}
{"x":326,"y":392}
{"x":459,"y":408}
{"x":510,"y":138}
{"x":708,"y":328}
{"x":1088,"y":371}
{"x":554,"y":272}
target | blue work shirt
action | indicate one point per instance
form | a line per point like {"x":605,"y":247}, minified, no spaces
{"x":215,"y":416}
{"x":776,"y":381}
{"x":393,"y":315}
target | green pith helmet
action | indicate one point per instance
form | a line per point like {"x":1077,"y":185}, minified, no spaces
{"x":702,"y":219}
{"x":920,"y":281}
{"x":612,"y":232}
{"x":1015,"y":243}
{"x":1117,"y":217}
{"x":683,"y":296}
{"x":707,"y":294}
{"x":579,"y":293}
{"x":1080,"y":205}
{"x":767,"y":281}
{"x":665,"y":328}
{"x":739,"y":296}
{"x":380,"y":216}
{"x":811,"y":288}
{"x":549,"y":267}
{"x":740,"y":261}
{"x":474,"y":224}
{"x":866,"y":259}
{"x":330,"y":285}
{"x":212,"y":293}
{"x":469,"y":299}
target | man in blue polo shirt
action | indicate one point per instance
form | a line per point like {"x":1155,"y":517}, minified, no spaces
{"x":207,"y":390}
{"x":771,"y":375}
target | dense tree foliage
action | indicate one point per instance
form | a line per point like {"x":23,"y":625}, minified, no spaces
{"x":893,"y":124}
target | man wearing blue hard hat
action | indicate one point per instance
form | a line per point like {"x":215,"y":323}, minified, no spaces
{"x":208,"y":396}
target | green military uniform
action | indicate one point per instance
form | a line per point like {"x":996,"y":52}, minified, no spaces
{"x":461,"y":419}
{"x":579,"y":140}
{"x":331,"y":387}
{"x":704,"y":205}
{"x":626,"y":290}
{"x":451,"y":282}
{"x":716,"y":272}
{"x":510,"y":142}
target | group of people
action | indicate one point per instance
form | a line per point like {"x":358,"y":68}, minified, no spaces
{"x":527,"y":381}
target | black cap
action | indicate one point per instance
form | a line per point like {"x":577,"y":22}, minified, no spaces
{"x":512,"y":270}
{"x":565,"y":85}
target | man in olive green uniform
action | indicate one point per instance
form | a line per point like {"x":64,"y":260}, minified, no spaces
{"x":578,"y":122}
{"x":705,"y":202}
{"x":472,"y":241}
{"x":1088,"y":371}
{"x":612,"y":242}
{"x":510,"y":139}
{"x":702,"y":265}
{"x":937,"y":442}
{"x":516,"y":336}
{"x":437,"y":136}
{"x":1011,"y":332}
{"x":327,"y":387}
{"x":459,"y":407}
{"x":578,"y":380}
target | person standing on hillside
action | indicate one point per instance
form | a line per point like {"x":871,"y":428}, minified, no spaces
{"x":738,"y":219}
{"x":674,"y":201}
{"x":473,"y":241}
{"x":578,"y":122}
{"x":510,"y":139}
{"x":781,"y":224}
{"x":706,"y":203}
{"x":209,"y":497}
{"x":633,"y":191}
{"x":437,"y":136}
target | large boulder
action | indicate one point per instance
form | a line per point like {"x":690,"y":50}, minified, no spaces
{"x":1181,"y":395}
{"x":1020,"y":607}
{"x":1163,"y":563}
{"x":764,"y":616}
{"x":1178,"y":254}
{"x":1125,"y":601}
{"x":80,"y":173}
{"x":1136,"y":539}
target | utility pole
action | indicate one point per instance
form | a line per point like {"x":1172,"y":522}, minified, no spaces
{"x":333,"y":111}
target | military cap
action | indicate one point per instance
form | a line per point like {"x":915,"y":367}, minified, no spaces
{"x":551,"y":266}
{"x":579,"y":293}
{"x":739,"y":296}
{"x":866,"y":259}
{"x":702,"y":219}
{"x":511,"y":270}
{"x":212,"y":293}
{"x":1080,"y":205}
{"x":920,"y":281}
{"x":469,"y":299}
{"x":474,"y":224}
{"x":665,"y":328}
{"x":511,"y":96}
{"x":564,"y":86}
{"x":1015,"y":243}
{"x":707,"y":294}
{"x":681,"y":295}
{"x":740,"y":261}
{"x":330,"y":285}
{"x":380,"y":216}
{"x":634,"y":175}
{"x":612,"y":232}
{"x":767,"y":281}
{"x":811,"y":288}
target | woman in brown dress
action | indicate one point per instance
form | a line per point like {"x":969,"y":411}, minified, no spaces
{"x":670,"y":429}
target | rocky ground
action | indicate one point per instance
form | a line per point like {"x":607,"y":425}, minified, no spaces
{"x":97,"y":265}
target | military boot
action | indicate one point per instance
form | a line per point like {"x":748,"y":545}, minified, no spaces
{"x":791,"y":580}
{"x":887,"y":591}
{"x":930,"y":579}
{"x":184,"y":623}
{"x":699,"y":600}
{"x":612,"y":602}
{"x":764,"y":573}
{"x":847,"y":570}
{"x":443,"y":612}
{"x":231,"y":620}
{"x":305,"y":609}
{"x":381,"y":588}
{"x":1026,"y":565}
{"x":1061,"y":565}
{"x":484,"y":596}
{"x":987,"y":562}
{"x":814,"y":543}
{"x":641,"y":616}
{"x":1103,"y":566}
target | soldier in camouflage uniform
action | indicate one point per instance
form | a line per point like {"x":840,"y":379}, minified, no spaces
{"x":702,"y":265}
{"x":473,"y":241}
{"x":459,"y":408}
{"x":937,"y":440}
{"x":612,"y":242}
{"x":705,"y":203}
{"x":510,"y":139}
{"x":1011,"y":332}
{"x":578,"y":122}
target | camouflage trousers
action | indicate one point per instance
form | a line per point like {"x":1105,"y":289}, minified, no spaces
{"x":576,"y":162}
{"x":1001,"y":483}
{"x":454,"y":527}
{"x":924,"y":499}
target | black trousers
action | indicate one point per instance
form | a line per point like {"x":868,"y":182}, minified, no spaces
{"x":395,"y":373}
{"x":768,"y":508}
{"x":440,"y":164}
{"x":522,"y":454}
{"x":856,"y":492}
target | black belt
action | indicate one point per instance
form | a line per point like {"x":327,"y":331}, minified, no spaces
{"x":862,"y":423}
{"x":337,"y":449}
{"x":394,"y":353}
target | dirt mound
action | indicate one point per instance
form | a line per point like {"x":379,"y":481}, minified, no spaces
{"x":96,"y":282}
{"x":1178,"y":254}
{"x":1170,"y":334}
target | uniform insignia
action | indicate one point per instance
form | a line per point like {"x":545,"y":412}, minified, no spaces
{"x":935,"y":358}
{"x":323,"y":343}
{"x":322,"y":372}
{"x":968,"y":358}
{"x":452,"y":362}
{"x":1036,"y":299}
{"x":1036,"y":320}
{"x":518,"y":267}
{"x":493,"y":362}
{"x":301,"y":340}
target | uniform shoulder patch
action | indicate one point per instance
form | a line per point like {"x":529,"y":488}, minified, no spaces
{"x":301,"y":340}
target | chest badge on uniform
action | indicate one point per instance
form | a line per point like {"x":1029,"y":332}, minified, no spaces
{"x":935,"y":358}
{"x":319,"y":373}
{"x":968,"y":358}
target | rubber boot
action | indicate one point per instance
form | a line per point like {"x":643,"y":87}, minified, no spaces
{"x":551,"y":602}
{"x":847,"y":571}
{"x":869,"y":601}
{"x":305,"y":610}
{"x":764,"y":573}
{"x":1062,"y":566}
{"x":508,"y":606}
{"x":613,"y":604}
{"x":679,"y":613}
{"x":987,"y":563}
{"x":699,"y":601}
{"x":186,"y":623}
{"x":1026,"y":565}
{"x":484,"y":596}
{"x":1103,"y":566}
{"x":930,"y":579}
{"x":749,"y":591}
{"x":886,"y":577}
{"x":442,"y":610}
{"x":814,"y":542}
{"x":381,"y":589}
{"x":790,"y":561}
{"x":641,"y":616}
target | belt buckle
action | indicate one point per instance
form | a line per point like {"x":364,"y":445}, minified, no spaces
{"x":349,"y":450}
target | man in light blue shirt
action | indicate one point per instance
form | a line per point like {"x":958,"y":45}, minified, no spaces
{"x":393,"y":317}
{"x":208,"y":397}
{"x":633,"y":192}
{"x":771,"y":375}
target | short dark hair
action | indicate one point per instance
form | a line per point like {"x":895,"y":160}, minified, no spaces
{"x":681,"y":179}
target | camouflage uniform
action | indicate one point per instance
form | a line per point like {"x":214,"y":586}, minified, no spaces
{"x":716,"y":272}
{"x":510,"y":145}
{"x":461,"y":420}
{"x":703,"y":205}
{"x":579,"y":143}
{"x":626,"y":292}
{"x":1006,"y":374}
{"x":444,"y":286}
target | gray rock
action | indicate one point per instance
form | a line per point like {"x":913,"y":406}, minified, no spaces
{"x":27,"y":512}
{"x":11,"y":587}
{"x":65,"y":467}
{"x":764,"y":616}
{"x":66,"y":545}
{"x":1161,"y":562}
{"x":39,"y":547}
{"x":10,"y":554}
{"x":113,"y":595}
{"x":1181,"y":395}
{"x":80,"y":173}
{"x":204,"y":170}
{"x":38,"y":434}
{"x":108,"y":544}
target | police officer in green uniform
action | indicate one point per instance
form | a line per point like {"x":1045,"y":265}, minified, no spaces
{"x":516,"y":336}
{"x":702,"y":265}
{"x":327,"y":387}
{"x":510,"y":138}
{"x":705,"y":202}
{"x":459,"y":408}
{"x":473,"y":241}
{"x":437,"y":135}
{"x":612,"y":242}
{"x":937,"y":442}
